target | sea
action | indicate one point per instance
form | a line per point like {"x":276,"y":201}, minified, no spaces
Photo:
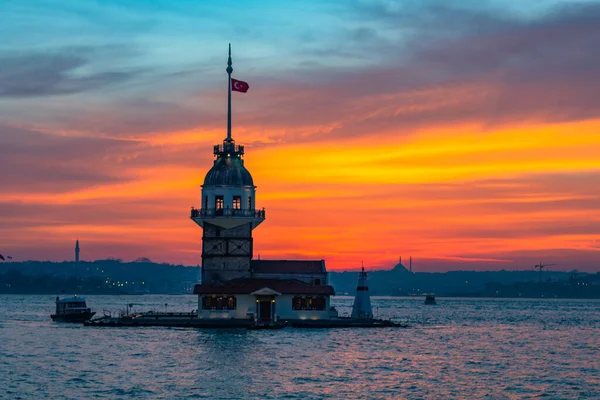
{"x":458,"y":349}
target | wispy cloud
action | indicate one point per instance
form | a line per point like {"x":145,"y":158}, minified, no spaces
{"x":36,"y":74}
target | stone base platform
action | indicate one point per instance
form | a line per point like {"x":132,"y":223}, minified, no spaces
{"x":182,"y":320}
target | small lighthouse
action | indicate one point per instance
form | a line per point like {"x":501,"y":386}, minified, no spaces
{"x":362,"y":301}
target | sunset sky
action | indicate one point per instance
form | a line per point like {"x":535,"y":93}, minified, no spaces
{"x":465,"y":134}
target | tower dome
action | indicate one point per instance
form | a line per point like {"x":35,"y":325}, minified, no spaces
{"x":228,"y":169}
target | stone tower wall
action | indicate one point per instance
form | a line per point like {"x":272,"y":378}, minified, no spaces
{"x":226,"y":253}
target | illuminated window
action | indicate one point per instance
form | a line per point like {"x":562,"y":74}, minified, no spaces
{"x":237,"y":202}
{"x":219,"y":303}
{"x":298,"y":303}
{"x":315,"y":303}
{"x":219,"y":202}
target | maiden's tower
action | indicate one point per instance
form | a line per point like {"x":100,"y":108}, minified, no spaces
{"x":235,"y":287}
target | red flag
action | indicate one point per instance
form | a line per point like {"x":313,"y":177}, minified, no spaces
{"x":239,"y":86}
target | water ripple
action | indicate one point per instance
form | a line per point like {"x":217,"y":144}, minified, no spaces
{"x":474,"y":348}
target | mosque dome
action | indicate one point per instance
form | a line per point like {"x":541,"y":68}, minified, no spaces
{"x":400,"y":268}
{"x":229,"y":171}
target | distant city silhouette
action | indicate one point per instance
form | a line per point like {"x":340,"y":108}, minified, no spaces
{"x":113,"y":276}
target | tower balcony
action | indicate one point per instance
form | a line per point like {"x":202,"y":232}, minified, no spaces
{"x":227,"y":217}
{"x":228,"y":148}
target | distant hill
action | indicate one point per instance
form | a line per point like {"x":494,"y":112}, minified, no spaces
{"x":400,"y":282}
{"x":144,"y":276}
{"x":115,"y":276}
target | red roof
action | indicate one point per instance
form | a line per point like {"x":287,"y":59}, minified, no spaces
{"x":287,"y":266}
{"x":247,"y":286}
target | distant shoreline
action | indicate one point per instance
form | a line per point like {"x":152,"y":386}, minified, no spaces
{"x":114,"y":277}
{"x":416,"y":298}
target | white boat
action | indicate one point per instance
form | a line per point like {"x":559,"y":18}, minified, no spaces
{"x":72,"y":309}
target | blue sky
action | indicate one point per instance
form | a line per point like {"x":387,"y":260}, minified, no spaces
{"x":171,"y":35}
{"x":132,"y":50}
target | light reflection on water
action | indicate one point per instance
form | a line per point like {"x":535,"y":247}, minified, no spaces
{"x":461,"y":348}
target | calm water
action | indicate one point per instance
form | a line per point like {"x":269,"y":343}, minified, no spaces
{"x":461,"y":348}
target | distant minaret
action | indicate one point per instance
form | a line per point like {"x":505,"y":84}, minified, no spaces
{"x":410,"y":264}
{"x":77,"y":251}
{"x":362,"y":301}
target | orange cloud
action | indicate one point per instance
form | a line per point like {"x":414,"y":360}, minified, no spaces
{"x":459,"y":193}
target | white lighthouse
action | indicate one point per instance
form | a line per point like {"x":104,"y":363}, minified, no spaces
{"x":362,"y":301}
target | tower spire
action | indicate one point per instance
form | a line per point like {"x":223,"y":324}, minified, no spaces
{"x":229,"y":70}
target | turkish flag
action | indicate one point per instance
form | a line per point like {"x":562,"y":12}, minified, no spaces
{"x":239,"y":86}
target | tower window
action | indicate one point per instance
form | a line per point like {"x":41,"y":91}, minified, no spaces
{"x":205,"y":201}
{"x":314,"y":303}
{"x":249,"y":203}
{"x":237,"y":202}
{"x":219,"y":202}
{"x":219,"y":303}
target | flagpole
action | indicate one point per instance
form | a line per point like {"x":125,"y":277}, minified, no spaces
{"x":229,"y":71}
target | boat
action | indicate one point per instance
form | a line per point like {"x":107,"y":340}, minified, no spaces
{"x":430,"y":299}
{"x":72,"y":309}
